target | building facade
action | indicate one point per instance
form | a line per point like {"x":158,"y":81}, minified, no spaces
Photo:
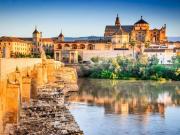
{"x":164,"y":55}
{"x":139,"y":32}
{"x":175,"y":46}
{"x":116,"y":41}
{"x":12,"y":47}
{"x":39,"y":42}
{"x":84,"y":50}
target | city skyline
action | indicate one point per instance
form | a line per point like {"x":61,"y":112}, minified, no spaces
{"x":83,"y":18}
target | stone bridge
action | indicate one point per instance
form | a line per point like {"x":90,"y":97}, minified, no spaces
{"x":19,"y":79}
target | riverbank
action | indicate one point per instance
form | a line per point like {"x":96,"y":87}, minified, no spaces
{"x":122,"y":68}
{"x":47,"y":114}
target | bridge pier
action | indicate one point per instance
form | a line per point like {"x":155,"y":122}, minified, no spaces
{"x":13,"y":103}
{"x":19,"y":80}
{"x":26,"y":90}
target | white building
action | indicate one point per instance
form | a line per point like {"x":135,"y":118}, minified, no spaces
{"x":163,"y":54}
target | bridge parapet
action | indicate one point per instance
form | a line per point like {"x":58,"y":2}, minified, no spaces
{"x":9,"y":65}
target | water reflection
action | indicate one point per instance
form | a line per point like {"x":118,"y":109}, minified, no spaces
{"x":133,"y":97}
{"x":106,"y":107}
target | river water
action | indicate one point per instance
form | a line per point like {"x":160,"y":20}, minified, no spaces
{"x":107,"y":107}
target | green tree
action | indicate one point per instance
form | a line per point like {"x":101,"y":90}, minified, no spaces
{"x":141,"y":68}
{"x":153,"y":60}
{"x":176,"y":62}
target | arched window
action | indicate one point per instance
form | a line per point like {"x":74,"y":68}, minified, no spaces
{"x":74,"y":46}
{"x":59,"y":46}
{"x":82,"y":46}
{"x":90,"y":47}
{"x":66,"y":46}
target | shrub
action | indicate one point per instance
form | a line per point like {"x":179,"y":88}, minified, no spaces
{"x":127,"y":68}
{"x":95,"y":59}
{"x":105,"y":74}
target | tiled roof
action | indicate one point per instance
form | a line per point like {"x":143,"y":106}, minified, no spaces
{"x":99,"y":41}
{"x":10,"y":39}
{"x":127,"y":28}
{"x":25,"y":39}
{"x":70,"y":42}
{"x":120,"y":32}
{"x":116,"y":29}
{"x":112,"y":28}
{"x":47,"y":40}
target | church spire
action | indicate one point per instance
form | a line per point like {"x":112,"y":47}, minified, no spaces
{"x":35,"y":30}
{"x":61,"y":36}
{"x":117,"y":22}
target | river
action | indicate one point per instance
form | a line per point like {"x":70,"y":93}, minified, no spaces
{"x":116,"y":107}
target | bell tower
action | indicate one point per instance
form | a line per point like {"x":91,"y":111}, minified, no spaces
{"x":36,"y":35}
{"x":117,"y":22}
{"x":61,"y":37}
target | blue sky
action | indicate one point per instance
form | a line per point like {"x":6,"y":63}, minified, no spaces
{"x":84,"y":17}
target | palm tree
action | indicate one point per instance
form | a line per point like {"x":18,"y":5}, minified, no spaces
{"x":132,"y":43}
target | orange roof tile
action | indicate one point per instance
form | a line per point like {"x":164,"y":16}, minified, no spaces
{"x":47,"y":40}
{"x":10,"y":39}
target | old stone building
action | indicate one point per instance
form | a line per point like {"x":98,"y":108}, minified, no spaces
{"x":139,"y":32}
{"x":68,"y":51}
{"x":38,"y":41}
{"x":116,"y":41}
{"x":13,"y":46}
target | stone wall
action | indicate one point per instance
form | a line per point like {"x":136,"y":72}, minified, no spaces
{"x":20,"y":79}
{"x":9,"y":65}
{"x":88,"y":54}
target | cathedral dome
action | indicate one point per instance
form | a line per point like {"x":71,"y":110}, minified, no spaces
{"x":141,"y":21}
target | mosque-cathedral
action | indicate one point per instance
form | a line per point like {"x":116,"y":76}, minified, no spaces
{"x":140,"y":31}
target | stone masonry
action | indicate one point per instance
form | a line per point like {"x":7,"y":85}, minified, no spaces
{"x":47,"y":115}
